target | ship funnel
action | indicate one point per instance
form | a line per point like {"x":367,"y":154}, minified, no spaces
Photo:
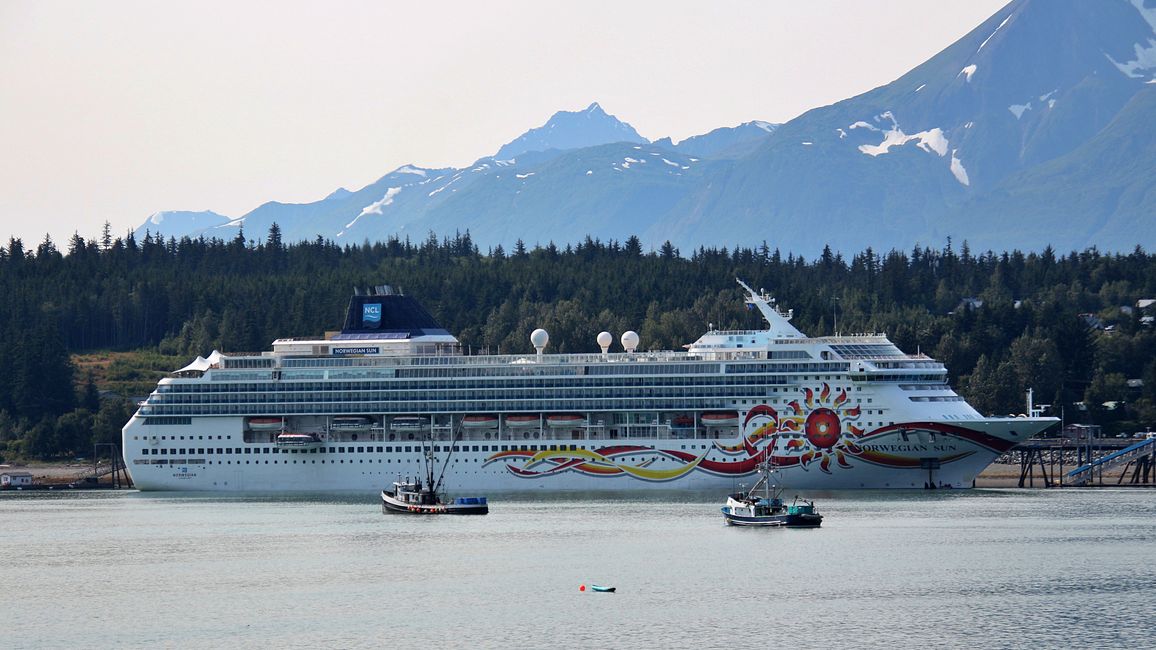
{"x":604,"y":341}
{"x":630,"y":341}
{"x":539,"y":338}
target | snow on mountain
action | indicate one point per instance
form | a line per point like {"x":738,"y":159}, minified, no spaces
{"x":176,"y":223}
{"x":1032,"y":129}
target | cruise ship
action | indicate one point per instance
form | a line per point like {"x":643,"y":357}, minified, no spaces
{"x":358,"y":409}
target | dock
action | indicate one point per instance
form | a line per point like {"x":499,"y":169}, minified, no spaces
{"x":1098,"y":462}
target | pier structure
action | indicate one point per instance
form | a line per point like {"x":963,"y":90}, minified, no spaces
{"x":1092,"y":462}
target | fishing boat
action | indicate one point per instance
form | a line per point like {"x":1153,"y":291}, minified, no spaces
{"x":603,"y":589}
{"x":418,"y":498}
{"x":767,"y":509}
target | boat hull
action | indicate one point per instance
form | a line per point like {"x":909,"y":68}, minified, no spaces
{"x":773,"y":521}
{"x":390,"y":504}
{"x":884,"y":460}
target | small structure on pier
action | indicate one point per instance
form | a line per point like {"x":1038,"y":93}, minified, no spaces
{"x":15,"y":479}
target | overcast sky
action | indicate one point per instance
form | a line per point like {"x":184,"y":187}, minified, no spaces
{"x":113,"y":110}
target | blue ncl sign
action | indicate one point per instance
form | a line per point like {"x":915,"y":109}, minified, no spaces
{"x":371,"y":315}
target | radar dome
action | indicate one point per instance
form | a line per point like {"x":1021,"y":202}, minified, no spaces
{"x":604,"y":340}
{"x":539,"y":338}
{"x":630,"y":340}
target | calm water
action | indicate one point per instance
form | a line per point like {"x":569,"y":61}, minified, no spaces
{"x":980,"y":568}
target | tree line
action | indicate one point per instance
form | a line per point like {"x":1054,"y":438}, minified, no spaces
{"x":1065,"y":325}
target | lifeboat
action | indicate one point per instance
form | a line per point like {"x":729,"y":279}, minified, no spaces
{"x":351,"y":423}
{"x":265,"y":424}
{"x":407,"y":422}
{"x":565,"y":420}
{"x":298,"y":440}
{"x":522,"y":421}
{"x":480,"y":421}
{"x":724,"y":419}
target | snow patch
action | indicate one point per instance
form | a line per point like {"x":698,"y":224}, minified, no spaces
{"x":842,"y":133}
{"x":1019,"y":109}
{"x":452,"y":181}
{"x":957,"y":169}
{"x":931,"y":140}
{"x":589,"y":172}
{"x":921,"y":86}
{"x":376,"y":206}
{"x":766,"y":126}
{"x":863,"y":125}
{"x":807,"y":144}
{"x":969,"y":125}
{"x":968,"y":71}
{"x":1145,"y":53}
{"x":409,"y":169}
{"x":993,"y":33}
{"x":524,"y":176}
{"x":672,"y":164}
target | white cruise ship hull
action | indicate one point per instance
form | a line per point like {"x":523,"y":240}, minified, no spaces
{"x":911,"y":456}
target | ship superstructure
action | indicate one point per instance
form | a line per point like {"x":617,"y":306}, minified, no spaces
{"x":351,"y":412}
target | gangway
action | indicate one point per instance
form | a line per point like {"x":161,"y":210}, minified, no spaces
{"x":1142,"y":450}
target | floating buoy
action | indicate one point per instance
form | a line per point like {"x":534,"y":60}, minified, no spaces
{"x":582,"y":588}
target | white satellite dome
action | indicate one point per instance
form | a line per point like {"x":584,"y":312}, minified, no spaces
{"x":539,"y":338}
{"x":630,"y":340}
{"x":604,"y":340}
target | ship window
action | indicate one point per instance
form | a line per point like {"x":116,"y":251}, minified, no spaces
{"x":361,"y":450}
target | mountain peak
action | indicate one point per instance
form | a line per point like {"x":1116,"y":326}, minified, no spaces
{"x":572,"y":130}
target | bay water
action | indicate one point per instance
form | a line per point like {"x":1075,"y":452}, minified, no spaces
{"x":979,"y":568}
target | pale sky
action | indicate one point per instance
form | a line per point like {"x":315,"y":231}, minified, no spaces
{"x":111,"y":110}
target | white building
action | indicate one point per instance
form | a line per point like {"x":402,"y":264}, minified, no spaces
{"x":15,"y":479}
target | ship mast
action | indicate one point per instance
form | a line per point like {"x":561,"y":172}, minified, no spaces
{"x":779,"y":323}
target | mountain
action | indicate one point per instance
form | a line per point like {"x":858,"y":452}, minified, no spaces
{"x":723,"y":142}
{"x":1035,"y":128}
{"x":572,"y":130}
{"x":961,"y":145}
{"x":177,"y":222}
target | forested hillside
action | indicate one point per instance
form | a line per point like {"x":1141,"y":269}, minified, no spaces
{"x":1067,"y":326}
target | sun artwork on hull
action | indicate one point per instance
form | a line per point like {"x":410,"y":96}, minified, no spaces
{"x":828,"y":429}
